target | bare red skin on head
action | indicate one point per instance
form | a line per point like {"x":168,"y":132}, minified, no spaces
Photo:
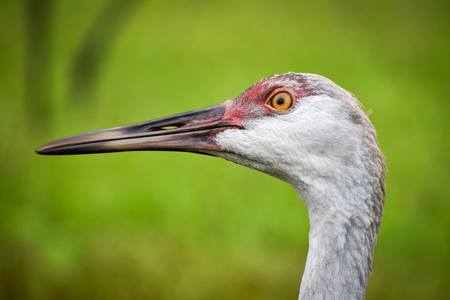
{"x":252,"y":103}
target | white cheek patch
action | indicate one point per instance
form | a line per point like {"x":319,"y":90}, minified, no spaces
{"x":312,"y":137}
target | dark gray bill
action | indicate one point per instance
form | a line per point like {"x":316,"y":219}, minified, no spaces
{"x":190,"y":131}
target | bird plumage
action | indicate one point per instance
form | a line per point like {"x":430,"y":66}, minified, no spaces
{"x":327,"y":149}
{"x":321,"y":143}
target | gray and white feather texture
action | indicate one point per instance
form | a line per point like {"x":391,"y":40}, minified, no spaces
{"x":326,"y":149}
{"x":302,"y":129}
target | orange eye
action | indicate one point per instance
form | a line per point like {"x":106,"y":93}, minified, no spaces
{"x":281,"y":101}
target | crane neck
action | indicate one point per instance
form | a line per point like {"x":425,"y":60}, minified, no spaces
{"x":344,"y":223}
{"x":338,"y":263}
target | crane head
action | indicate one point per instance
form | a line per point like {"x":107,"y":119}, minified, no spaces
{"x":287,"y":120}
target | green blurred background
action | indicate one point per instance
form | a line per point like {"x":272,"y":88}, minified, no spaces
{"x":181,"y":226}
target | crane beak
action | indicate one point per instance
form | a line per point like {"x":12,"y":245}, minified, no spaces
{"x":192,"y":131}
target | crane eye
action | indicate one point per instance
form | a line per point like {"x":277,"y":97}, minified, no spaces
{"x":281,"y":101}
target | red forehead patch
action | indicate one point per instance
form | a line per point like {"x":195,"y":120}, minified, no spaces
{"x":251,"y":103}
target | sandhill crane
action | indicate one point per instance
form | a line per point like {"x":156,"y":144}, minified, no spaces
{"x":303,"y":129}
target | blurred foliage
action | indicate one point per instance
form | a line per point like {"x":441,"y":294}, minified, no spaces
{"x":181,"y":226}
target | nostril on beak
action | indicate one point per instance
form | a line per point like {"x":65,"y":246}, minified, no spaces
{"x":166,"y":127}
{"x":169,"y":127}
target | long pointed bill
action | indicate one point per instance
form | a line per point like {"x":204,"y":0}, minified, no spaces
{"x":192,"y":131}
